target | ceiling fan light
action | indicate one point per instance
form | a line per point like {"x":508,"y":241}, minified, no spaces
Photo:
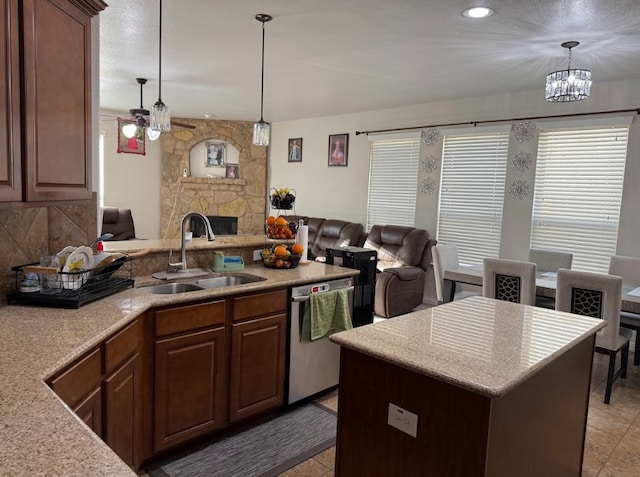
{"x":261,"y":132}
{"x":129,"y":130}
{"x":160,"y":117}
{"x":153,"y":134}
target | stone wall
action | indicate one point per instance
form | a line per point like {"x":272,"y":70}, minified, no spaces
{"x":244,"y":198}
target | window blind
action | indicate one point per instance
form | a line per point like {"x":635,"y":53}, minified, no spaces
{"x":393,"y":182}
{"x":472,"y":194}
{"x":578,"y":191}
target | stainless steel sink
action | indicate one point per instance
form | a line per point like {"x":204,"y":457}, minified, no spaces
{"x":227,"y":281}
{"x":202,"y":284}
{"x":172,"y":288}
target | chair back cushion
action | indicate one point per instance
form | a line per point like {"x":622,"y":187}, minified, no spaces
{"x":592,"y":294}
{"x":399,"y":245}
{"x":626,"y":267}
{"x":550,"y":260}
{"x":445,"y":257}
{"x":334,"y":234}
{"x":509,"y":280}
{"x":118,"y":222}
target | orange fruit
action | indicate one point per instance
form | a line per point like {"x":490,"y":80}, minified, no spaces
{"x":280,"y":251}
{"x":271,"y":220}
{"x":297,"y":248}
{"x":281,"y":221}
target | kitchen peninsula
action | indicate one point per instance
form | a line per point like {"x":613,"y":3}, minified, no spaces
{"x":496,"y":389}
{"x":39,"y":434}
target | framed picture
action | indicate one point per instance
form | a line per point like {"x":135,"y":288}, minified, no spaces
{"x":232,"y":171}
{"x":216,"y":153}
{"x":295,"y":149}
{"x":338,"y":149}
{"x":130,"y":145}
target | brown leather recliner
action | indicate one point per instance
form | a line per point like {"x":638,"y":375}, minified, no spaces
{"x":404,"y":256}
{"x":118,"y":222}
{"x":333,"y":234}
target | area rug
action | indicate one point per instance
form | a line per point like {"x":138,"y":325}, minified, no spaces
{"x":265,"y":450}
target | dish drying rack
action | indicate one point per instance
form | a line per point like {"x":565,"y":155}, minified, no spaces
{"x":97,"y":283}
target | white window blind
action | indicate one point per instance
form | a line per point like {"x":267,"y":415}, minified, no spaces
{"x":578,"y":191}
{"x":472,"y":194}
{"x":393,"y":182}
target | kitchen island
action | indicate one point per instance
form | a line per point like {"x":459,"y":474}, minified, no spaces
{"x":484,"y":387}
{"x":39,"y":434}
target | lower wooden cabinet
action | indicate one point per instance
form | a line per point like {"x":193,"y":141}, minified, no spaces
{"x":190,"y":396}
{"x":123,"y":411}
{"x":257,"y":366}
{"x":90,"y":410}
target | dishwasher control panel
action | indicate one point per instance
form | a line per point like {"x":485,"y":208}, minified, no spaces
{"x":320,"y":288}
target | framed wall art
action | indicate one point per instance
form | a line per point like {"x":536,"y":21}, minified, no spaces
{"x":130,"y":145}
{"x":338,"y":149}
{"x":232,"y":171}
{"x":216,"y":153}
{"x":295,"y":149}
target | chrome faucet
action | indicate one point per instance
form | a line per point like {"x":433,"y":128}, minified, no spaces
{"x":182,"y":265}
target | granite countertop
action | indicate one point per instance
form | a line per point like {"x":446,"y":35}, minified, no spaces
{"x":163,"y":245}
{"x":480,"y":344}
{"x":38,"y":433}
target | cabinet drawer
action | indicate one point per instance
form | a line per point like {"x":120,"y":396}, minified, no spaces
{"x":186,"y":318}
{"x":121,"y":346}
{"x":81,"y":378}
{"x":259,"y":304}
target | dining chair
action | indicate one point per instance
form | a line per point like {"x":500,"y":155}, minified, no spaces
{"x":629,"y":269}
{"x":445,"y":257}
{"x":597,"y":295}
{"x":549,"y":261}
{"x":509,"y":280}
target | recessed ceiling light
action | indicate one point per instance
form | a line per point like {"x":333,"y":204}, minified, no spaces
{"x":477,"y":12}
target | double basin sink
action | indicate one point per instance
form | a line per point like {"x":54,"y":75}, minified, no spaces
{"x":202,"y":284}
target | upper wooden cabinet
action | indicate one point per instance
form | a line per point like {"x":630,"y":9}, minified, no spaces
{"x":53,"y":40}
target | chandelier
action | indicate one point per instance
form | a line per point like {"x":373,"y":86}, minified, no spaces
{"x":570,"y":84}
{"x":261,"y":129}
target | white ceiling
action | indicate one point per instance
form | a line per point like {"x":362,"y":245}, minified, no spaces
{"x":328,"y":57}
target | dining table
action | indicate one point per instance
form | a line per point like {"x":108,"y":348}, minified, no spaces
{"x":545,"y":285}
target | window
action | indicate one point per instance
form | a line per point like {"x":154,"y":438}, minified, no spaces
{"x":578,"y":191}
{"x":393,"y":182}
{"x":472,"y":193}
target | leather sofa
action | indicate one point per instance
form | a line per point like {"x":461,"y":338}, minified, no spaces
{"x":329,"y":233}
{"x":404,"y":259}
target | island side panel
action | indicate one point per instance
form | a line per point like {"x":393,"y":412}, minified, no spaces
{"x":452,"y":423}
{"x":539,"y":427}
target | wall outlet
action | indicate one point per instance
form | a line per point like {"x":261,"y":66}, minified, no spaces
{"x":257,"y":255}
{"x":403,"y":420}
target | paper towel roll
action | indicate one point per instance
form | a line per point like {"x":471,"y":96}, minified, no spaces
{"x":302,"y":237}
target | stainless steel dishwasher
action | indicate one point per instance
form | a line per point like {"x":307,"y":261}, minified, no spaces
{"x":312,"y":366}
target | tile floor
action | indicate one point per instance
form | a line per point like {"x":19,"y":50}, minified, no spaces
{"x":612,"y":447}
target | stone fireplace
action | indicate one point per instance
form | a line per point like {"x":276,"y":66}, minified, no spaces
{"x":244,"y":198}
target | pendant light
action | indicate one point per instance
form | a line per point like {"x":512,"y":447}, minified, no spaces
{"x":570,"y":84}
{"x":261,"y":129}
{"x":160,"y":116}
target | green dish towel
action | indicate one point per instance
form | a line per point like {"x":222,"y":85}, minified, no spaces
{"x":326,"y":313}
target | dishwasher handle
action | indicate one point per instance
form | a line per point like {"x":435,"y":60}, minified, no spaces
{"x":301,"y":298}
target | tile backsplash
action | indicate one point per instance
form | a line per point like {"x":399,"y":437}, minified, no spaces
{"x":28,"y":233}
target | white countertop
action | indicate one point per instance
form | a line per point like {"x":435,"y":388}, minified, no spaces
{"x":38,"y":433}
{"x":480,"y":344}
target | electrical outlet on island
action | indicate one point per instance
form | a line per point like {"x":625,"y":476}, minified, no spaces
{"x":403,"y":420}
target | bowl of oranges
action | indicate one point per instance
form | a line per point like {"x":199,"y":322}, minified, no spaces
{"x":280,"y":228}
{"x":282,"y":256}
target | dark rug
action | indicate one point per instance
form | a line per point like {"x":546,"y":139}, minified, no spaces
{"x":266,"y":450}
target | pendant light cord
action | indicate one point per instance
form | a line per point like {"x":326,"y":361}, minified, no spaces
{"x":262,"y":79}
{"x":160,"y":57}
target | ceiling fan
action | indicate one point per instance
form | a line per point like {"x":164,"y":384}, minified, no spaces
{"x":140,"y":116}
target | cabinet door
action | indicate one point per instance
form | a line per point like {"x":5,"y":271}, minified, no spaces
{"x":123,"y":411}
{"x":90,"y":410}
{"x":257,"y":366}
{"x":57,"y":100}
{"x":189,"y":387}
{"x":10,"y":168}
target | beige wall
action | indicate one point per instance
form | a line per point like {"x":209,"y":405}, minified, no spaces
{"x":339,"y":192}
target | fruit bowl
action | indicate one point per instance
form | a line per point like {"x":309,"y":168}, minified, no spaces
{"x":288,"y":260}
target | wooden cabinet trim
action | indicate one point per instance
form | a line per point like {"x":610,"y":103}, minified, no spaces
{"x":189,"y":318}
{"x":78,"y":380}
{"x":90,"y":410}
{"x":122,"y":345}
{"x":259,"y":304}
